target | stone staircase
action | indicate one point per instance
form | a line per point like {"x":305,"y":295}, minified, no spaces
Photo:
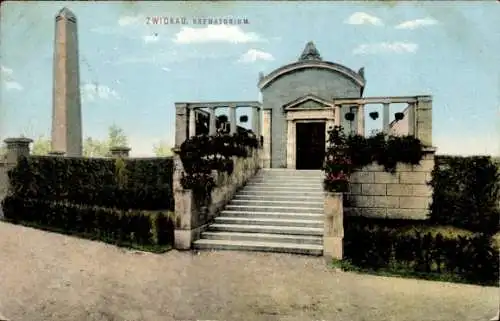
{"x":279,"y":210}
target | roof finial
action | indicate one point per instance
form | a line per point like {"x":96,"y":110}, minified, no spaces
{"x":310,"y":52}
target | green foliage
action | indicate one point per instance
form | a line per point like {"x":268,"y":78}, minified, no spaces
{"x":404,"y":245}
{"x":162,"y":149}
{"x":201,"y":154}
{"x":120,"y":227}
{"x":466,"y":192}
{"x":345,"y":154}
{"x":124,"y":183}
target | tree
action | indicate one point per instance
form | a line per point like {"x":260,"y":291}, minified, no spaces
{"x":41,"y":146}
{"x":96,"y":148}
{"x":162,"y":149}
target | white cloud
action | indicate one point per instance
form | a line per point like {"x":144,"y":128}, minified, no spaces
{"x":151,"y":38}
{"x":215,"y":33}
{"x":253,"y":55}
{"x":386,"y":47}
{"x":165,"y":69}
{"x":8,"y":81}
{"x":414,"y":24}
{"x":130,"y":20}
{"x":92,"y":92}
{"x":362,"y":18}
{"x":5,"y":71}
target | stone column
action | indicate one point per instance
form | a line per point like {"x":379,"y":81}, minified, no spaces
{"x":256,"y":121}
{"x":212,"y":127}
{"x":386,"y":118}
{"x":338,"y":115}
{"x":181,"y":123}
{"x":119,"y":151}
{"x":360,"y":117}
{"x":17,"y":147}
{"x":333,"y":234}
{"x":330,"y":124}
{"x":192,"y":122}
{"x":66,"y":101}
{"x":424,"y":120}
{"x":266,"y":132}
{"x":290,"y":145}
{"x":232,"y":120}
{"x":411,"y":119}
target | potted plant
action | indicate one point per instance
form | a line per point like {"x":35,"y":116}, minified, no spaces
{"x":373,"y":115}
{"x":243,"y":119}
{"x":349,"y":116}
{"x":399,"y":116}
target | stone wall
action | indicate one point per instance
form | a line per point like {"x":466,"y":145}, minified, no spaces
{"x":4,"y":183}
{"x":323,"y":83}
{"x":404,"y":194}
{"x":192,"y":217}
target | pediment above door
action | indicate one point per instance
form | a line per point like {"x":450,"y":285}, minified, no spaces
{"x":307,"y":102}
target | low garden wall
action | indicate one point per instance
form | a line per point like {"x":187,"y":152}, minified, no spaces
{"x":194,"y":210}
{"x":403,"y":194}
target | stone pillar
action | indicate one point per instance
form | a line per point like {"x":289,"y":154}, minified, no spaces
{"x":386,"y":116}
{"x":290,"y":145}
{"x":192,"y":122}
{"x":119,"y":151}
{"x":338,"y":115}
{"x":232,"y":120}
{"x":411,"y":119}
{"x":424,"y":119}
{"x":266,"y":132}
{"x":333,"y":234}
{"x":66,"y":100}
{"x":360,"y":117}
{"x":330,"y":124}
{"x":181,"y":123}
{"x":256,"y":120}
{"x":17,"y":147}
{"x":212,"y":127}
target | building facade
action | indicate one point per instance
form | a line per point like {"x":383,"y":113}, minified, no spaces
{"x":298,"y":108}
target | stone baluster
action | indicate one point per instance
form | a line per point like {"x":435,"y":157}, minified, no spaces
{"x":212,"y":127}
{"x":192,"y":122}
{"x":17,"y":147}
{"x":232,"y":119}
{"x":361,"y":120}
{"x":386,"y":118}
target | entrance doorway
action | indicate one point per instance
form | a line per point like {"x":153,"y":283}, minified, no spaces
{"x":310,"y":145}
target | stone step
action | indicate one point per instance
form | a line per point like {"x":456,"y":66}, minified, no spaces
{"x":297,"y":188}
{"x":284,"y":184}
{"x":274,"y":215}
{"x":267,"y":229}
{"x":277,"y":197}
{"x":309,"y":249}
{"x":282,"y":202}
{"x":290,"y":194}
{"x":263,"y":237}
{"x":266,"y":208}
{"x":268,"y":221}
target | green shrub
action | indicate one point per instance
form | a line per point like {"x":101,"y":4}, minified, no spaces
{"x":119,"y":183}
{"x":110,"y":225}
{"x":379,"y":244}
{"x":466,"y":193}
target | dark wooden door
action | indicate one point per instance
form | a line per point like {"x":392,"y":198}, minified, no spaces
{"x":310,"y":145}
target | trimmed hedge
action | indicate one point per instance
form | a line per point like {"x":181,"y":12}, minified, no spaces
{"x":466,"y":193}
{"x":420,"y":248}
{"x":116,"y":183}
{"x":151,"y":230}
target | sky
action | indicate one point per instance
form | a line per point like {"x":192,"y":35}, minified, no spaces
{"x":133,"y":71}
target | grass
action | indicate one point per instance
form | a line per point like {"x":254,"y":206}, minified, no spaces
{"x":153,"y":248}
{"x":402,"y":272}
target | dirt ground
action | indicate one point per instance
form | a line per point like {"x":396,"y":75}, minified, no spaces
{"x":46,"y":276}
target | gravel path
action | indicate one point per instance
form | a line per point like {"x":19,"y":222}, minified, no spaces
{"x":46,"y":276}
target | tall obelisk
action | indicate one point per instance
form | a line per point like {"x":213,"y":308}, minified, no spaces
{"x":66,"y":100}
